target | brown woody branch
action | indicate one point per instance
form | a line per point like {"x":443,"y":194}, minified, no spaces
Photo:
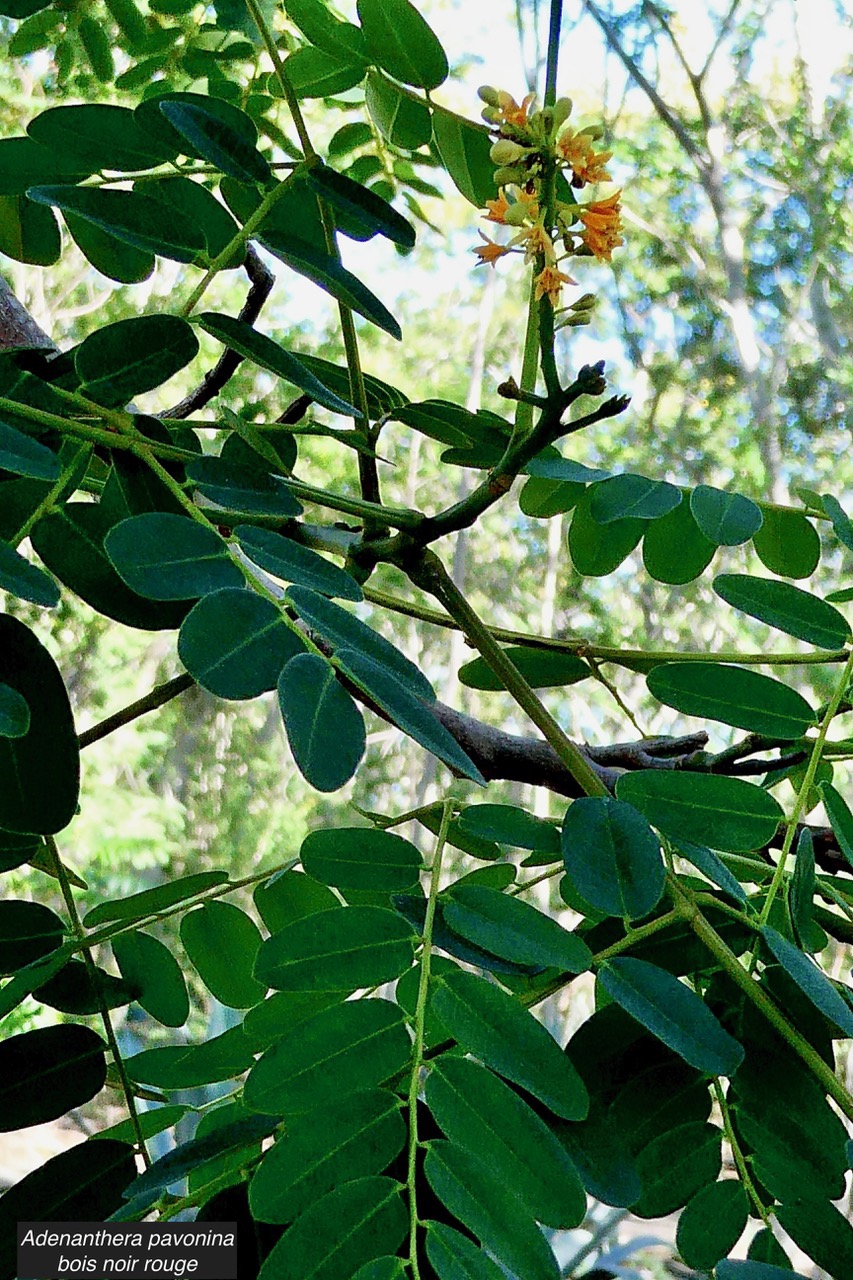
{"x":17,"y":326}
{"x":262,"y":280}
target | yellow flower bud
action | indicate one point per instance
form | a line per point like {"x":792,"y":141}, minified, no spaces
{"x":516,"y":214}
{"x":488,"y":95}
{"x":574,"y":321}
{"x":506,"y":152}
{"x":541,"y":122}
{"x":509,"y":175}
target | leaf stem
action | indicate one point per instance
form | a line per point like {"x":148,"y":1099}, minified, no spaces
{"x":95,"y":978}
{"x":49,"y":499}
{"x":806,"y":786}
{"x":238,"y":240}
{"x":737,"y":1154}
{"x":430,"y":574}
{"x":606,"y":653}
{"x":420,"y":1025}
{"x":634,"y":936}
{"x":753,"y":990}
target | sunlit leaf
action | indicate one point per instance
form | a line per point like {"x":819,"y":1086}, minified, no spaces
{"x":222,"y":941}
{"x":789,"y":609}
{"x":485,"y":1203}
{"x":352,"y":1137}
{"x":168,"y":557}
{"x":357,"y":1221}
{"x":402,"y":42}
{"x":337,"y":951}
{"x":154,"y":975}
{"x":466,"y":1098}
{"x":726,"y":519}
{"x":235,"y":643}
{"x":355,"y":1045}
{"x":361,"y":858}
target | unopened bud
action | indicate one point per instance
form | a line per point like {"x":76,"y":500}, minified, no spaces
{"x":594,"y":131}
{"x":562,"y":111}
{"x":517,"y":214}
{"x":509,"y":175}
{"x":574,"y":321}
{"x":542,"y":122}
{"x":506,"y":152}
{"x":488,"y":95}
{"x":585,"y":303}
{"x":492,"y":115}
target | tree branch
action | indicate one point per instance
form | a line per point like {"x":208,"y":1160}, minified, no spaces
{"x":262,"y":280}
{"x":667,"y":115}
{"x":17,"y":326}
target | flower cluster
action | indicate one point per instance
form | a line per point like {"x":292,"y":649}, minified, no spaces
{"x":542,"y":160}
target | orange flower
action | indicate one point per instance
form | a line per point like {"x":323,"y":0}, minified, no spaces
{"x":587,"y":165}
{"x":511,"y":113}
{"x":488,"y":252}
{"x":537,"y":241}
{"x":549,"y":282}
{"x":602,"y":224}
{"x":497,"y":208}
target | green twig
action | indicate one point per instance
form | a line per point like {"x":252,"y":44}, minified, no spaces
{"x":555,"y":22}
{"x":754,"y":991}
{"x":737,"y":1154}
{"x":806,"y":786}
{"x":281,"y":75}
{"x":368,"y":473}
{"x":529,"y":367}
{"x":150,"y":701}
{"x":237,"y":242}
{"x":396,"y":517}
{"x":50,"y":498}
{"x":605,"y":653}
{"x":420,"y":1026}
{"x":95,"y":435}
{"x":430,"y":574}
